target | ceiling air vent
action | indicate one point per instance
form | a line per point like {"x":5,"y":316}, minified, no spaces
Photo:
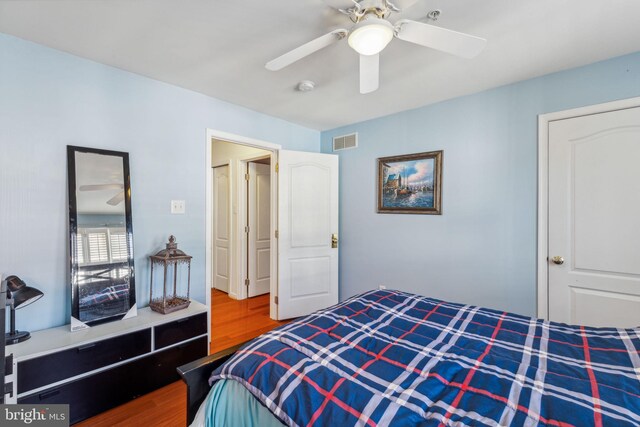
{"x":345,"y":141}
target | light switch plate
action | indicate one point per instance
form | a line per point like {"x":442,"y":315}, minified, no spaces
{"x":177,"y":206}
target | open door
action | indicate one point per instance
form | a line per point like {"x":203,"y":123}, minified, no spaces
{"x":259,"y":229}
{"x":307,"y":227}
{"x":221,"y":229}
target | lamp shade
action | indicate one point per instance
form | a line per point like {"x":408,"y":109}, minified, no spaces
{"x":370,"y":36}
{"x":21,"y":294}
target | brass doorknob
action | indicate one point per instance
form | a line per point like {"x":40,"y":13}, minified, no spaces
{"x":334,"y":241}
{"x":558,"y":260}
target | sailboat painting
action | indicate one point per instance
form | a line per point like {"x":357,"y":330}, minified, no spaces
{"x":410,"y":183}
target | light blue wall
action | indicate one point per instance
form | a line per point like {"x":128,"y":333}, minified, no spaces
{"x":482,"y":250}
{"x":49,"y":99}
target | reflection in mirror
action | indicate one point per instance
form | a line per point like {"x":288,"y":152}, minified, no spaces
{"x":102,"y":274}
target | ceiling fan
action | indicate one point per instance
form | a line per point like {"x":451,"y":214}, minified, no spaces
{"x":115,"y":200}
{"x":373,"y":31}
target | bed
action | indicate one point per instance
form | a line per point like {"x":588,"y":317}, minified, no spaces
{"x":394,"y":358}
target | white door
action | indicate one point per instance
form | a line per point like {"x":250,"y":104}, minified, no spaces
{"x":594,"y":219}
{"x":307,"y":219}
{"x":221,"y":228}
{"x":259,"y":219}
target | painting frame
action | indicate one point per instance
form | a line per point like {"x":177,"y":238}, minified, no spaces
{"x":386,"y":192}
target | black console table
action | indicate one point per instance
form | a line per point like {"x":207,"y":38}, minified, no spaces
{"x":96,"y":369}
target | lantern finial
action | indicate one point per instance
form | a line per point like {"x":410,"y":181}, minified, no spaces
{"x":172,"y":243}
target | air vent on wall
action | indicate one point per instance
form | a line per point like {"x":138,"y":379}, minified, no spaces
{"x":345,"y":141}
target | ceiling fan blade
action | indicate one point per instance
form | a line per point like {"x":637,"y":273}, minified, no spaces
{"x":340,"y":4}
{"x":306,"y":49}
{"x":369,"y":73}
{"x":99,"y":187}
{"x":403,"y":5}
{"x":449,"y":41}
{"x":117,"y":199}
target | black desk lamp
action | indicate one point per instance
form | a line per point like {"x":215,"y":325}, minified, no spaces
{"x":19,"y":295}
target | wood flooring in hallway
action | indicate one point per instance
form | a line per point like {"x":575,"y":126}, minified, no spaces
{"x":233,"y":322}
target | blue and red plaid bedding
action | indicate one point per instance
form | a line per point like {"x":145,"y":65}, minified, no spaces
{"x":393,"y":358}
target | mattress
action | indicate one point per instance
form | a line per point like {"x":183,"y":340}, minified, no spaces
{"x":394,"y":358}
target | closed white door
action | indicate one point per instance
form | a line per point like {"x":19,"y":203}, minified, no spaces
{"x":594,"y":219}
{"x":221,"y":229}
{"x":307,"y":219}
{"x":259,"y":219}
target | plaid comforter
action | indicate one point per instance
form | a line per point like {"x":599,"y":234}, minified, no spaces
{"x":393,"y":358}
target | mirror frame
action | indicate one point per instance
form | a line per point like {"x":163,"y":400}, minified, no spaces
{"x":73,"y":234}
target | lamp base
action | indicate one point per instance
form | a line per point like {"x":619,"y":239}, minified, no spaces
{"x":16,"y":337}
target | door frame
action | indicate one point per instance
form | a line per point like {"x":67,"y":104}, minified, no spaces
{"x":543,"y":187}
{"x":212,"y":134}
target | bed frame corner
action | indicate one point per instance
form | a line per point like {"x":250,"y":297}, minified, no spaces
{"x":196,"y":376}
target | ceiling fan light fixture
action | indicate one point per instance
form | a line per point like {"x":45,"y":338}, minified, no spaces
{"x":371,"y":36}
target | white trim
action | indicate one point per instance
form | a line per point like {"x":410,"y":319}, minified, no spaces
{"x":275,"y":249}
{"x":208,"y":203}
{"x":243,"y":140}
{"x":212,"y":134}
{"x":543,"y":187}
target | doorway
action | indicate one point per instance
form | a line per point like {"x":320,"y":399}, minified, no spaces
{"x":303,"y":224}
{"x":589,"y":215}
{"x":242,"y":219}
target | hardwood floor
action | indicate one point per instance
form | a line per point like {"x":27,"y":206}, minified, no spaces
{"x":165,"y":407}
{"x":232,"y":322}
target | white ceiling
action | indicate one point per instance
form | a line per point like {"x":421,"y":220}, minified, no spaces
{"x":219,"y":48}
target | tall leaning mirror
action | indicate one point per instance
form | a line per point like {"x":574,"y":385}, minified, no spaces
{"x":100,"y":237}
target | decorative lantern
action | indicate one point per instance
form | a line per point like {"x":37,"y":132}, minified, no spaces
{"x":174,"y":297}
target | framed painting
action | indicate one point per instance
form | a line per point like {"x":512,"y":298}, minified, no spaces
{"x":410,"y":184}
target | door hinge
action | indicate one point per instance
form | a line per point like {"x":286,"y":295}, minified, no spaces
{"x":277,"y":167}
{"x":276,"y":299}
{"x":246,"y":229}
{"x":246,"y":282}
{"x":277,"y":234}
{"x":246,"y":177}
